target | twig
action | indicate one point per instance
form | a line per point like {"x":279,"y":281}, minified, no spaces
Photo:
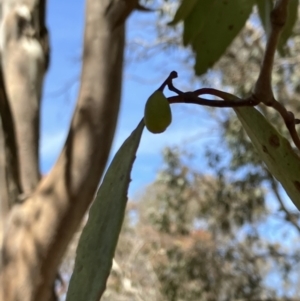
{"x":229,"y":100}
{"x":263,"y":89}
{"x":189,"y":97}
{"x":263,"y":92}
{"x":169,"y":80}
{"x":289,"y":120}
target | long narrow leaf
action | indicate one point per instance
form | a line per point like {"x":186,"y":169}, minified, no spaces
{"x":211,"y":26}
{"x":183,"y":11}
{"x":274,"y":150}
{"x":99,"y":237}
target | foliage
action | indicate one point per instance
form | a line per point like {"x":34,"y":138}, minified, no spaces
{"x":274,"y":150}
{"x":102,"y":229}
{"x":208,"y":18}
{"x":205,"y":20}
{"x":202,"y":231}
{"x":191,"y":242}
{"x":195,"y":235}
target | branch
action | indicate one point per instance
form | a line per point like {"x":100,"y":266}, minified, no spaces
{"x":45,"y":223}
{"x":10,"y":181}
{"x":25,"y":57}
{"x":9,"y":169}
{"x":229,"y":100}
{"x":263,"y":88}
{"x":190,"y":97}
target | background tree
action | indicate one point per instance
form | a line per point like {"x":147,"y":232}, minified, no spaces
{"x":201,"y":237}
{"x":239,"y":177}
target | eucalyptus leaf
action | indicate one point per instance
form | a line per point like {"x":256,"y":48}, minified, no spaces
{"x":212,"y":26}
{"x":195,"y":21}
{"x":183,"y":11}
{"x":99,"y":237}
{"x":274,"y":149}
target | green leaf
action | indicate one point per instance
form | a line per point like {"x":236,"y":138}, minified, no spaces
{"x":264,"y":10}
{"x":274,"y":150}
{"x":289,"y":25}
{"x":195,"y":21}
{"x":216,"y":29}
{"x":99,"y":237}
{"x":183,"y":10}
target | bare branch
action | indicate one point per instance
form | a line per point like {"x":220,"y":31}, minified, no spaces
{"x":189,"y":97}
{"x":263,"y":89}
{"x":230,"y":101}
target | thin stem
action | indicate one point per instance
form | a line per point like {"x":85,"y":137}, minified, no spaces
{"x":289,"y":120}
{"x":230,"y":101}
{"x":189,"y":97}
{"x":263,"y":89}
{"x":168,"y":80}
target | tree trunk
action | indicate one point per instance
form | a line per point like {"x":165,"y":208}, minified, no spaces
{"x":38,"y":230}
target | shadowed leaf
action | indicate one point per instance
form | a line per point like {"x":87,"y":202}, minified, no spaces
{"x":274,"y":150}
{"x":211,"y":27}
{"x":99,"y":237}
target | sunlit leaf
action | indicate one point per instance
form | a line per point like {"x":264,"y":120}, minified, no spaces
{"x":211,"y":28}
{"x":99,"y":237}
{"x":274,"y":150}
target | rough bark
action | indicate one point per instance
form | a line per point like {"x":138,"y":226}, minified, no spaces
{"x":24,"y":62}
{"x":9,"y":167}
{"x":39,"y":229}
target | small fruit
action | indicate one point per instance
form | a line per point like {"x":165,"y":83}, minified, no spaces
{"x":157,"y":115}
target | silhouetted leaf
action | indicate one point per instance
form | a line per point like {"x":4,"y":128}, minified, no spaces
{"x":183,"y":11}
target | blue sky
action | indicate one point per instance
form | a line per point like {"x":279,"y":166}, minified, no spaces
{"x":190,"y":128}
{"x":65,"y":21}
